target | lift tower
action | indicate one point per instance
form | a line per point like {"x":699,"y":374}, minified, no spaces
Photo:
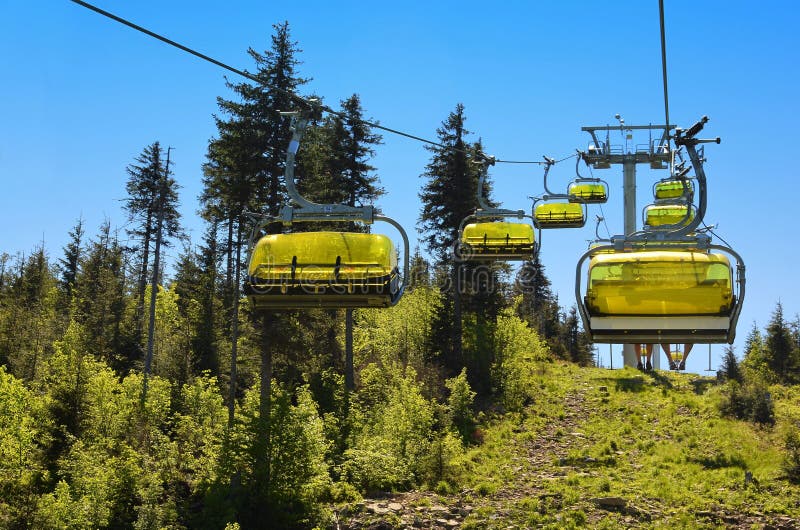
{"x":602,"y":155}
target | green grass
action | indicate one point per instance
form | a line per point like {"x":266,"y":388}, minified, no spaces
{"x":656,"y":441}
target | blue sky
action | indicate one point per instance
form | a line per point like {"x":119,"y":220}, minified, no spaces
{"x":82,"y":96}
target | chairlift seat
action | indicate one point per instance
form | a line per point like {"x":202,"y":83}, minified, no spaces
{"x":672,"y":189}
{"x":559,"y":215}
{"x":663,"y":283}
{"x":660,"y":296}
{"x":588,"y":192}
{"x":497,"y":240}
{"x":667,"y":214}
{"x":323,"y":269}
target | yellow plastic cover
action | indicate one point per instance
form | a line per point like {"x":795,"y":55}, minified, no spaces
{"x":662,"y":283}
{"x":672,"y":189}
{"x":593,"y":192}
{"x":498,"y":234}
{"x":559,"y":215}
{"x":308,"y":257}
{"x":666,"y":214}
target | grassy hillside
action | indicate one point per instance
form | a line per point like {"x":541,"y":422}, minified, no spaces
{"x":608,"y":449}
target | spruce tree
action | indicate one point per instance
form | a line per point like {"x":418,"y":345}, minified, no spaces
{"x":448,"y":196}
{"x":100,"y":289}
{"x":780,"y":353}
{"x":152,"y":196}
{"x":69,"y":263}
{"x":730,"y":367}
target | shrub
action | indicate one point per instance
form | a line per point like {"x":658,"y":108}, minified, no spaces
{"x":749,"y":401}
{"x":791,"y":461}
{"x":459,"y":405}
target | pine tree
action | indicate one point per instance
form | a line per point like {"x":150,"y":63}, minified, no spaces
{"x":448,"y":196}
{"x":780,"y":352}
{"x":31,"y":320}
{"x":152,"y":196}
{"x":100,"y":289}
{"x":352,"y":148}
{"x":69,"y":263}
{"x":730,"y":367}
{"x":245,"y":164}
{"x":575,"y":341}
{"x":195,"y":282}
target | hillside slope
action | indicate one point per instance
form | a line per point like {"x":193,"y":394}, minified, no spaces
{"x":609,"y":449}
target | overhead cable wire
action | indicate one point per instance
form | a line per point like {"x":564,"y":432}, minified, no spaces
{"x":664,"y":65}
{"x":292,"y":95}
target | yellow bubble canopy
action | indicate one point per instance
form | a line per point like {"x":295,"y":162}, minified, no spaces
{"x":323,"y":269}
{"x":672,"y":189}
{"x":591,"y":192}
{"x":497,"y":240}
{"x":667,"y":214}
{"x":660,"y":283}
{"x":559,"y":215}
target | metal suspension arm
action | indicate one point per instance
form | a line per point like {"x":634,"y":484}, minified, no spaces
{"x":308,"y":210}
{"x":406,"y":257}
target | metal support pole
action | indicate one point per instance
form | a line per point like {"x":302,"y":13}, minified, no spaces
{"x":349,"y":371}
{"x":629,"y":198}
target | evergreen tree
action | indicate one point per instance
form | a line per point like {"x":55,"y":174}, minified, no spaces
{"x":100,"y":290}
{"x":152,"y":197}
{"x":575,"y":341}
{"x":730,"y":367}
{"x":538,"y":306}
{"x":448,"y":196}
{"x":352,"y":148}
{"x":31,"y":321}
{"x":754,"y":351}
{"x":69,"y":263}
{"x":195,"y":283}
{"x":781,"y":355}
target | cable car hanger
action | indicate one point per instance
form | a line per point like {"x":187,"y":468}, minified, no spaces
{"x":569,"y":214}
{"x":493,"y":240}
{"x":322,"y":269}
{"x":672,"y":300}
{"x":589,"y":190}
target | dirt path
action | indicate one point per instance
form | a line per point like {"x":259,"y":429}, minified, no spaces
{"x":532,"y":464}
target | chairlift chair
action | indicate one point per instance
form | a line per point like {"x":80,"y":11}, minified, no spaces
{"x":667,"y":283}
{"x":587,"y":190}
{"x":558,"y":210}
{"x":322,"y":269}
{"x":486,"y":236}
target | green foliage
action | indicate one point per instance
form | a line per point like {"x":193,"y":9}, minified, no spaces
{"x":791,"y":461}
{"x":775,"y":354}
{"x":392,"y":429}
{"x":283,"y":470}
{"x":750,"y":401}
{"x":459,"y":405}
{"x":200,"y":431}
{"x":731,"y":371}
{"x":518,"y":349}
{"x":443,"y":465}
{"x":22,"y":433}
{"x":402,"y":332}
{"x":171,"y":344}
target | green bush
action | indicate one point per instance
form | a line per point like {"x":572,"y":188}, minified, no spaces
{"x":518,"y":349}
{"x":749,"y":401}
{"x":791,"y":461}
{"x":459,"y":405}
{"x":392,"y":431}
